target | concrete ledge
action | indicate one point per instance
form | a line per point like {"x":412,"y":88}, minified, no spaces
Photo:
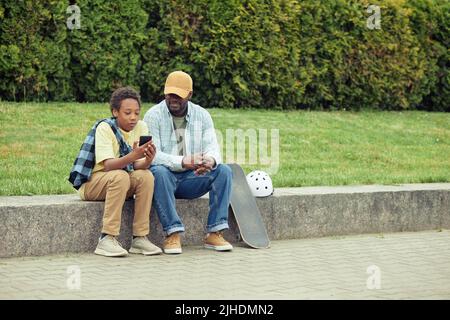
{"x":40,"y":225}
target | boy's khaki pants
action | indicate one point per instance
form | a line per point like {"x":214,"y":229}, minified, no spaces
{"x":115,"y":187}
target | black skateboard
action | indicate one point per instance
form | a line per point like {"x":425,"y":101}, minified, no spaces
{"x":246,"y":211}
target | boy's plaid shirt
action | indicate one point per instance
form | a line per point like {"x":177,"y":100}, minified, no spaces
{"x":84,"y":163}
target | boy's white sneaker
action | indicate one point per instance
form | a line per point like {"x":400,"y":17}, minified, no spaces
{"x":143,"y":246}
{"x":108,"y":246}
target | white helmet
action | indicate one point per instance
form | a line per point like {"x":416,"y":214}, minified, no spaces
{"x":260,"y":183}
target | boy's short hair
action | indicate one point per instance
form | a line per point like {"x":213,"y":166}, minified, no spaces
{"x":121,"y":94}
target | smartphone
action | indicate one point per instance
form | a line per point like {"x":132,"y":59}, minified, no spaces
{"x":144,"y":139}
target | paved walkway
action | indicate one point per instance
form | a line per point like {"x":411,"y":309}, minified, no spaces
{"x":390,"y":266}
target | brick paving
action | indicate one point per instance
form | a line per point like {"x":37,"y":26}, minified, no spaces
{"x":412,"y":265}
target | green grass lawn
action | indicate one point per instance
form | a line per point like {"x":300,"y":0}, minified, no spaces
{"x":39,"y":142}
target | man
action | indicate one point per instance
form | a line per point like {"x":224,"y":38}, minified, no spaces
{"x":187,"y":164}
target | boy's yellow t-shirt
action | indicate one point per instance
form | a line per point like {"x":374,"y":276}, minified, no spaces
{"x":107,"y":146}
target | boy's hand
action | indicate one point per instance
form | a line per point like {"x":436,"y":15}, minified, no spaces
{"x":140,"y":151}
{"x":149,"y":152}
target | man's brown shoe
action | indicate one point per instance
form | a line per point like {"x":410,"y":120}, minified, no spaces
{"x":215,"y":241}
{"x":172,"y":244}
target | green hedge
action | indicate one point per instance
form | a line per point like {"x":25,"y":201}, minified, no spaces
{"x":34,"y":60}
{"x":282,"y":54}
{"x":430,"y":21}
{"x":105,"y":52}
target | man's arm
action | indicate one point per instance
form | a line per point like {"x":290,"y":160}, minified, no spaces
{"x":211,"y":147}
{"x":211,"y":157}
{"x":153,"y":120}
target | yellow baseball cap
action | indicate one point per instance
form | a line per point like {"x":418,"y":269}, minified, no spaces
{"x":179,"y":83}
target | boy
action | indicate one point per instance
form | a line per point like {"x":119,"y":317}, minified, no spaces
{"x":108,"y":169}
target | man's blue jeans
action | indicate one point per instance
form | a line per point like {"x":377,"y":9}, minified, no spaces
{"x":170,"y":185}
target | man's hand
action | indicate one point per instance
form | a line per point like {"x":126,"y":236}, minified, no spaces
{"x":198,"y":162}
{"x":192,"y":162}
{"x":206,"y":165}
